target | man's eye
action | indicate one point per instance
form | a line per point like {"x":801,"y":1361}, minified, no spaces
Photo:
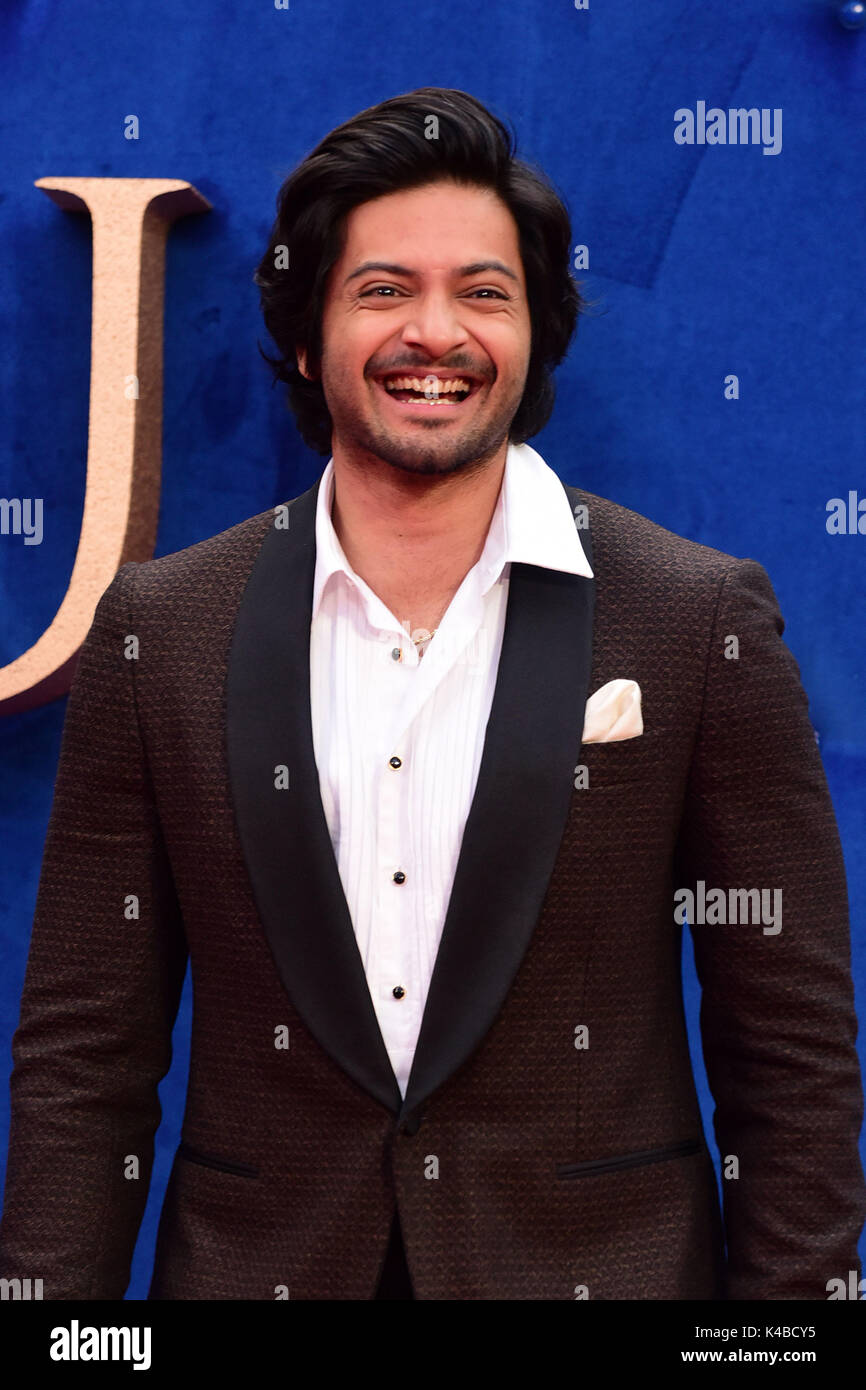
{"x":378,"y":289}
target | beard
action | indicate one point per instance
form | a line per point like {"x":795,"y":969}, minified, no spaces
{"x":432,"y":457}
{"x":425,"y":448}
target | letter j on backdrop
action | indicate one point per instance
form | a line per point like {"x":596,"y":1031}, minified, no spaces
{"x":130,"y":220}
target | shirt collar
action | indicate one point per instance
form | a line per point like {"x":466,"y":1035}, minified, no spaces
{"x":532,"y":524}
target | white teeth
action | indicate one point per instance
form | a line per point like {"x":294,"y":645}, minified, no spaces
{"x":430,"y":387}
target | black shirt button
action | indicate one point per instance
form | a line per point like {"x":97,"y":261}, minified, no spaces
{"x":398,"y":991}
{"x":395,"y":762}
{"x":399,"y":876}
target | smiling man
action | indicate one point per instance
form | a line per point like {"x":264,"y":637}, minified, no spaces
{"x":417,"y":770}
{"x":423,"y":369}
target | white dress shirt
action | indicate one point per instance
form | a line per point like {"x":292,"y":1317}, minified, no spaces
{"x":398,"y":739}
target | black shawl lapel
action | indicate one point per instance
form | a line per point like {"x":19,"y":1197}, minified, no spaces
{"x":516,"y":820}
{"x":510,"y":841}
{"x":284,"y":833}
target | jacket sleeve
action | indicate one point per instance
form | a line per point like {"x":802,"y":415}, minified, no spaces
{"x":778,"y":1026}
{"x":102,"y":986}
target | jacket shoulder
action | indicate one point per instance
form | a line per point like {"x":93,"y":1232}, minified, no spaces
{"x":225,"y":549}
{"x":211,"y":571}
{"x":626,"y":544}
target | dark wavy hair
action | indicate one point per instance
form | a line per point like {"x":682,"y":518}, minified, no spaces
{"x":386,"y":149}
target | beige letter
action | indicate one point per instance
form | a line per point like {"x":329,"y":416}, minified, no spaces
{"x":130,"y":219}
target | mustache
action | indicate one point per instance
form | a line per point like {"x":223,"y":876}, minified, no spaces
{"x":424,"y":369}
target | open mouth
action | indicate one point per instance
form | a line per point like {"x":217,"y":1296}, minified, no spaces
{"x":432,"y":392}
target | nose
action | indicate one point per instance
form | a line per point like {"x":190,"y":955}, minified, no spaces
{"x":434,"y":325}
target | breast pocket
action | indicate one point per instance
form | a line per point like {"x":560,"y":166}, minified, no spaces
{"x":626,"y":760}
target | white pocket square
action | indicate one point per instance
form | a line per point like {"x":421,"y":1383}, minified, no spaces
{"x":613,"y":712}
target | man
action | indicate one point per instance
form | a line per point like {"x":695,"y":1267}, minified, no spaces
{"x":418,"y":770}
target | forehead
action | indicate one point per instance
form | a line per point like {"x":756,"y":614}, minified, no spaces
{"x":444,"y":225}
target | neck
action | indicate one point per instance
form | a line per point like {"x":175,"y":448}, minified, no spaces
{"x":414,"y":537}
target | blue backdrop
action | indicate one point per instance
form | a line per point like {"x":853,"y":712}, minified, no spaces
{"x":708,"y":260}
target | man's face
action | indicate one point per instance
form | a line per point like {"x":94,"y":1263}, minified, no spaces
{"x":429,"y":286}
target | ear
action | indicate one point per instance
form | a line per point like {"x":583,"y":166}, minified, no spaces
{"x":303,"y":363}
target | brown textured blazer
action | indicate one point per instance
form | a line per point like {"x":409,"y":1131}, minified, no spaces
{"x":523,"y":1166}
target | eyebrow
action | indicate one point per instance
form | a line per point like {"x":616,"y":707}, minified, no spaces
{"x":476,"y":268}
